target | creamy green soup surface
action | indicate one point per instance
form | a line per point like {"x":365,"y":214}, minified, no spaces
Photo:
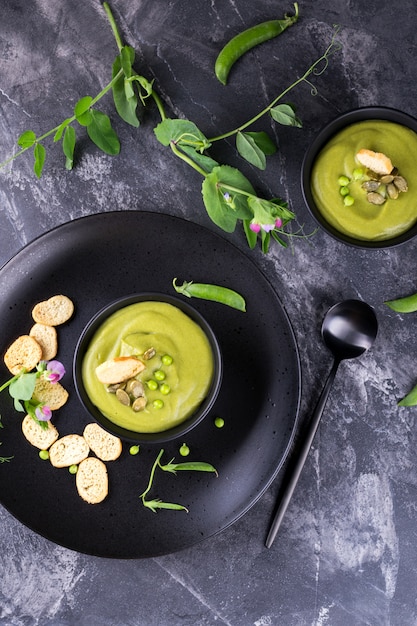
{"x":135,"y":329}
{"x":363,"y":220}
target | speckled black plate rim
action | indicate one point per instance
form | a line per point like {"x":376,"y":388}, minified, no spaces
{"x":205,"y":523}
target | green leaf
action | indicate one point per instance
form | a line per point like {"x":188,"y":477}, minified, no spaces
{"x":127,"y":57}
{"x":82,"y":111}
{"x":182,"y":133}
{"x":249,"y":150}
{"x":39,"y":153}
{"x":23,"y":387}
{"x":26,"y":139}
{"x":410,"y":399}
{"x":158,"y":504}
{"x":61,"y":128}
{"x":263,"y":141}
{"x":251,"y":236}
{"x":102,"y":134}
{"x":204,"y":161}
{"x":285,"y":114}
{"x":68,"y":146}
{"x":224,"y":206}
{"x":125,"y":107}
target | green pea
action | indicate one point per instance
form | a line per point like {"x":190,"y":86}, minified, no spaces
{"x":344,"y":191}
{"x":214,"y":293}
{"x":248,"y":39}
{"x":184,"y":450}
{"x":219,"y":422}
{"x":133,"y":450}
{"x":343,"y":181}
{"x":158,"y":404}
{"x":152,"y":384}
{"x":44,"y":455}
{"x":73,"y":469}
{"x":348,"y":200}
{"x":165,"y":389}
{"x":159,"y":375}
{"x":358,"y":173}
{"x":167,"y":359}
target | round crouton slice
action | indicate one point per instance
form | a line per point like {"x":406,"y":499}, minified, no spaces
{"x":92,"y":480}
{"x":106,"y":446}
{"x":41,"y":438}
{"x":52,"y":394}
{"x":24,"y":352}
{"x":54,"y":311}
{"x":47,"y":338}
{"x":68,"y":450}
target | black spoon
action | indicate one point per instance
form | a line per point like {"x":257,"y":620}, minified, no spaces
{"x":349,"y":329}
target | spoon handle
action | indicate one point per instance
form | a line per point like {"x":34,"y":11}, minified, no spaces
{"x":303,"y":451}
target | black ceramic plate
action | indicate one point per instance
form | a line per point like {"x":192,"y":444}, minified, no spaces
{"x":99,"y":258}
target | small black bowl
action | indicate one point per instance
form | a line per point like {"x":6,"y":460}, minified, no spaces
{"x":190,"y":422}
{"x":338,"y":124}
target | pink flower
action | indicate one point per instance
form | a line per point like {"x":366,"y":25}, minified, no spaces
{"x":54,"y":371}
{"x":255,"y":227}
{"x":43,"y":413}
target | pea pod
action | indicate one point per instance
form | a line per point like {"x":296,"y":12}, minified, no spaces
{"x":215,"y":293}
{"x":410,"y":399}
{"x":248,"y":39}
{"x":403,"y":305}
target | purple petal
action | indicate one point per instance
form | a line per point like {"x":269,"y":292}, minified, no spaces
{"x":278,"y":222}
{"x":268,"y":227}
{"x":255,"y":227}
{"x":43,"y":413}
{"x":54,"y":371}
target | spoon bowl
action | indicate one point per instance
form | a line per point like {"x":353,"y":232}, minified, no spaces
{"x":348,"y":330}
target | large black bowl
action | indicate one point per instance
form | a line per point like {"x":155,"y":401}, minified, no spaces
{"x":191,"y":421}
{"x":338,"y":124}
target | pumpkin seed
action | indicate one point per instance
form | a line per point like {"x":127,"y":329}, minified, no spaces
{"x":370,"y":185}
{"x":392,"y":191}
{"x":113,"y":388}
{"x":375,"y":198}
{"x":400,"y":183}
{"x":139,"y":404}
{"x":123,"y":397}
{"x":149,"y":354}
{"x":134,"y":388}
{"x":388,"y":178}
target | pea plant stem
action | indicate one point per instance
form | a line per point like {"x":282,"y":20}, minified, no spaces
{"x":187,"y":159}
{"x":312,"y":69}
{"x":71,"y":120}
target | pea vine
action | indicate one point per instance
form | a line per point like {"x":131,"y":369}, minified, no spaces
{"x":228,"y":195}
{"x":173,"y":468}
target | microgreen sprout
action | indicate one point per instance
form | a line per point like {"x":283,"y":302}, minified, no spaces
{"x":22,"y":387}
{"x":171,"y":467}
{"x":228,"y":195}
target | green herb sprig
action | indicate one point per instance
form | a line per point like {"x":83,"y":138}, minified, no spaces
{"x":173,"y":468}
{"x":228,"y":195}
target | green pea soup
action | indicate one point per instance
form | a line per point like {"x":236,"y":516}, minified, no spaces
{"x":363,"y":220}
{"x":135,"y":329}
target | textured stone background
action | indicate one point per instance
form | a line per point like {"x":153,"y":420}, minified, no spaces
{"x":346,"y":552}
